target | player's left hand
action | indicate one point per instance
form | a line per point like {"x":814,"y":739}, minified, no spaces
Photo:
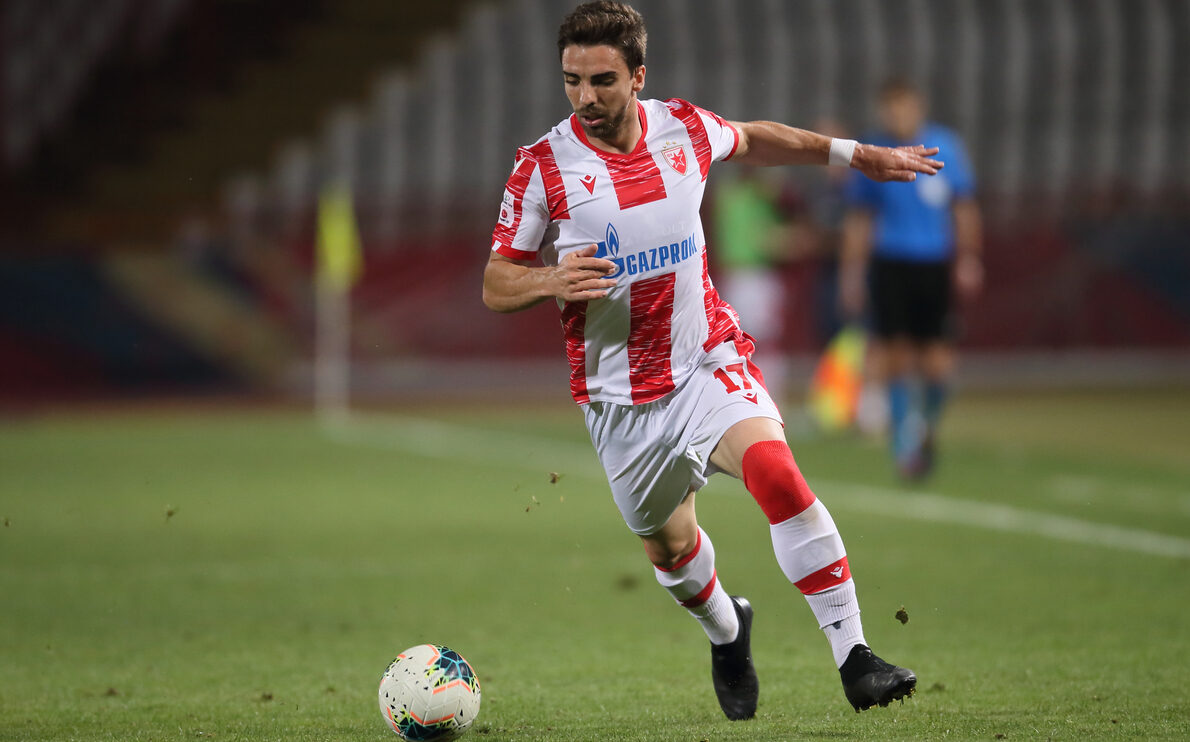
{"x":899,"y":164}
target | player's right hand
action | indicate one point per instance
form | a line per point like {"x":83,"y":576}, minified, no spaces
{"x":581,"y":276}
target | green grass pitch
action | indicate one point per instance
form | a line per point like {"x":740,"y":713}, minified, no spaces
{"x":231,"y":574}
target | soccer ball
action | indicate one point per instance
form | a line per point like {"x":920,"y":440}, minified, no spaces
{"x":429,"y":692}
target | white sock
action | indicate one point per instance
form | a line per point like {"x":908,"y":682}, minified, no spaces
{"x":717,"y":617}
{"x":695,"y":586}
{"x":807,"y":543}
{"x":837,"y":611}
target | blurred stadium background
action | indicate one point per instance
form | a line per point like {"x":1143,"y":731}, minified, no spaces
{"x":227,"y":569}
{"x":161,"y":162}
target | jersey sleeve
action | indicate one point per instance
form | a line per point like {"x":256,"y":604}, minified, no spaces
{"x":524,"y":214}
{"x":723,"y":137}
{"x":712,"y":137}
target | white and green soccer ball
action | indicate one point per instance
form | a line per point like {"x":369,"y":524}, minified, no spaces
{"x":429,"y":692}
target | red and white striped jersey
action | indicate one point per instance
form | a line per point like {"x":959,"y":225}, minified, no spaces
{"x":642,"y":210}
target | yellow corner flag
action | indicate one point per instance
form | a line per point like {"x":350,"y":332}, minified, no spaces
{"x":835,"y":386}
{"x":340,"y":261}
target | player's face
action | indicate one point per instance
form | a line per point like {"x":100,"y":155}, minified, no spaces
{"x":601,"y":88}
{"x":902,"y":114}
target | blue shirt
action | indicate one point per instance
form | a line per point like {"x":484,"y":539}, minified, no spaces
{"x":913,"y":221}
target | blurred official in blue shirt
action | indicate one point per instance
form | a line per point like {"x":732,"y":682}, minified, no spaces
{"x":905,"y":247}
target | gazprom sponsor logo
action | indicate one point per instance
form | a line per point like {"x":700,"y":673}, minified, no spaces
{"x":612,"y":240}
{"x":644,"y":261}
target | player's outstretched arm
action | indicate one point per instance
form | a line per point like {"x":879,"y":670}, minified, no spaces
{"x":512,"y":285}
{"x":767,"y":143}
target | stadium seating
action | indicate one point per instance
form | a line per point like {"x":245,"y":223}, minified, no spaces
{"x":50,"y":49}
{"x":1056,"y":99}
{"x":1074,"y":113}
{"x":1041,"y":92}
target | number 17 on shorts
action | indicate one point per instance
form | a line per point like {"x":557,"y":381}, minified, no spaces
{"x":736,"y":379}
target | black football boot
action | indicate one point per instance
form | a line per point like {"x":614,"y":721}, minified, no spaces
{"x":732,"y":671}
{"x":869,"y":680}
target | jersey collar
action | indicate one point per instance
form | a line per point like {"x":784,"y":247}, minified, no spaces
{"x":577,"y":128}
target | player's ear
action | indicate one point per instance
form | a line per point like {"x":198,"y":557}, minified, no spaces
{"x":638,"y":79}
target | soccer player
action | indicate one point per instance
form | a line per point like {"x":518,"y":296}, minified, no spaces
{"x":918,"y":239}
{"x":608,"y":202}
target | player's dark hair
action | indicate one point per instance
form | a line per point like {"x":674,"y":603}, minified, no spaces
{"x":606,"y":23}
{"x":897,"y":86}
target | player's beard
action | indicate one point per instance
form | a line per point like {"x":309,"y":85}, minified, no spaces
{"x":609,"y":128}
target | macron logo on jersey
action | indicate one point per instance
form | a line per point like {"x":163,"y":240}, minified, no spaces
{"x":644,"y":261}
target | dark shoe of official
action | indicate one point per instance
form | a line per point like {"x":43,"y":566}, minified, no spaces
{"x":927,"y":453}
{"x":910,"y":468}
{"x":732,"y":671}
{"x":919,"y":464}
{"x":869,"y":680}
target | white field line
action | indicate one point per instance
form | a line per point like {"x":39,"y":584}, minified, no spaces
{"x":934,"y":508}
{"x":452,"y":442}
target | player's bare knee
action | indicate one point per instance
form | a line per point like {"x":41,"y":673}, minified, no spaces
{"x":668,"y":552}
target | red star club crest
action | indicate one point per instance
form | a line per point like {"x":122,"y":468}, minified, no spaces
{"x":676,"y":157}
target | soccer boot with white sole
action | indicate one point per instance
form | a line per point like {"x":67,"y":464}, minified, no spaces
{"x":732,"y":671}
{"x":869,"y":680}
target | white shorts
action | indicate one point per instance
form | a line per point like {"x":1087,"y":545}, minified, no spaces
{"x":657,"y":452}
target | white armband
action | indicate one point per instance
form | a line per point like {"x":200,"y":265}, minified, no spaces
{"x":841,"y":152}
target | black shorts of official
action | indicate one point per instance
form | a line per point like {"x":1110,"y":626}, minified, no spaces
{"x":911,"y":299}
